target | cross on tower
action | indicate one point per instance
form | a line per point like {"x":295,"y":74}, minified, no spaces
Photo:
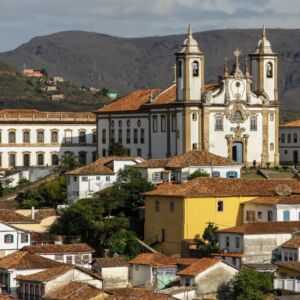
{"x":237,"y":54}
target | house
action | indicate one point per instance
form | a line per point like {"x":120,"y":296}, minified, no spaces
{"x":73,"y":254}
{"x":152,"y":270}
{"x":290,"y":250}
{"x":31,"y":137}
{"x":33,"y":73}
{"x":113,"y":270}
{"x":136,"y":294}
{"x":21,"y":263}
{"x":57,"y":97}
{"x":85,"y":181}
{"x":207,"y":274}
{"x":179,"y":168}
{"x":44,"y":238}
{"x":177,"y":214}
{"x":272,"y":208}
{"x":45,"y":283}
{"x":255,"y":243}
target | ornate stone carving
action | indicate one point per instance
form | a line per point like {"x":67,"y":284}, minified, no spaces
{"x":238,"y":130}
{"x":232,"y":108}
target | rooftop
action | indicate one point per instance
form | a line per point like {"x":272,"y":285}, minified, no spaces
{"x":206,"y":187}
{"x":136,"y":294}
{"x":10,"y":216}
{"x":59,"y":248}
{"x":264,"y":227}
{"x":106,"y":262}
{"x":291,"y":124}
{"x":292,"y":265}
{"x":154,"y":259}
{"x":274,"y":200}
{"x":294,"y":242}
{"x":199,"y":266}
{"x":26,"y":260}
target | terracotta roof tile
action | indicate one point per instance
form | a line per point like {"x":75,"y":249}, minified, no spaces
{"x":292,"y":265}
{"x":231,"y":254}
{"x":153,"y":163}
{"x":44,"y":237}
{"x":166,"y":96}
{"x":59,"y":248}
{"x":7,"y":297}
{"x":294,"y":242}
{"x":186,"y":261}
{"x":26,"y":260}
{"x":293,"y":199}
{"x":291,"y":124}
{"x":222,"y":187}
{"x":264,"y":227}
{"x":199,"y":266}
{"x":136,"y":294}
{"x":10,"y":216}
{"x":111,"y":261}
{"x":153,"y":259}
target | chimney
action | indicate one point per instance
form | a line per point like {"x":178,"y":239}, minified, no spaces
{"x":32,"y":213}
{"x":106,"y":253}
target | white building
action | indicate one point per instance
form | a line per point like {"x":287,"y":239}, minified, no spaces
{"x":179,"y":168}
{"x":35,"y":138}
{"x":289,"y":145}
{"x":72,"y":254}
{"x":87,"y":180}
{"x":273,"y":208}
{"x":254,"y":243}
{"x":226,"y":118}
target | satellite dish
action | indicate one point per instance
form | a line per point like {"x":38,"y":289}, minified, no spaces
{"x":282,"y":190}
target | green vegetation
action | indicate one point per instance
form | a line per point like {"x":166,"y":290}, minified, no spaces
{"x":117,"y":149}
{"x":209,"y":242}
{"x":198,"y":173}
{"x":249,"y":175}
{"x":246,"y":285}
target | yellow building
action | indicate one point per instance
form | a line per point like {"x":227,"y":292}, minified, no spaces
{"x":175,"y":213}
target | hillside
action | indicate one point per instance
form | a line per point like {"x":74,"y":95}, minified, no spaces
{"x":124,"y":64}
{"x":18,"y":91}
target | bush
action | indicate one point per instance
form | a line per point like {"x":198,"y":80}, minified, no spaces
{"x":198,"y":173}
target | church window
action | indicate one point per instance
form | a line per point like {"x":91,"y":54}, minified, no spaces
{"x":112,"y":136}
{"x":138,"y":123}
{"x":271,"y":117}
{"x":103,"y":136}
{"x":219,"y":122}
{"x":120,"y":123}
{"x":26,"y":136}
{"x":112,"y":123}
{"x":179,"y":68}
{"x":282,"y":139}
{"x":237,"y":84}
{"x":269,"y":70}
{"x":195,"y":69}
{"x":173,"y":123}
{"x":12,"y":137}
{"x":271,"y":147}
{"x":295,"y":137}
{"x":163,"y":123}
{"x":194,"y":116}
{"x":142,"y":136}
{"x":128,"y":136}
{"x":289,"y":138}
{"x":54,"y":136}
{"x":154,"y":123}
{"x":135,"y":136}
{"x":237,"y":116}
{"x":40,"y":136}
{"x":253,"y":123}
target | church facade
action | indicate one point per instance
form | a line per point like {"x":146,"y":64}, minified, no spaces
{"x":237,"y":117}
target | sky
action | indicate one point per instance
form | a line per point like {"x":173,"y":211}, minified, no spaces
{"x":21,"y":20}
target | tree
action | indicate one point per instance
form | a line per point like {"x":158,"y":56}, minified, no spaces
{"x":198,"y":173}
{"x":209,"y":242}
{"x":69,"y":161}
{"x":117,"y":149}
{"x":44,"y":72}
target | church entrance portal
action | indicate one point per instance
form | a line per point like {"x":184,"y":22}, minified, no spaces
{"x":237,"y":152}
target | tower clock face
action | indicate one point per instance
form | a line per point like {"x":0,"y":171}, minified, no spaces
{"x":237,"y":88}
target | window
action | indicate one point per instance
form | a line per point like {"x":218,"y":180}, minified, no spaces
{"x":172,"y":206}
{"x":174,"y":125}
{"x":40,"y":159}
{"x":77,"y":260}
{"x":120,"y":136}
{"x":219,"y":122}
{"x":135,"y":136}
{"x":12,"y":160}
{"x":286,"y":215}
{"x":112,"y":123}
{"x":68,"y":136}
{"x":289,"y":138}
{"x":103,"y":136}
{"x":54,"y":159}
{"x":12,"y":137}
{"x":98,"y":178}
{"x":282,"y":139}
{"x":75,"y":178}
{"x":82,"y":157}
{"x":128,"y":123}
{"x":24,"y":238}
{"x":8,"y":238}
{"x":156,"y":206}
{"x":271,"y":147}
{"x":237,"y":116}
{"x":120,"y":123}
{"x":195,"y":146}
{"x":154,"y":123}
{"x":94,"y":137}
{"x":259,"y":215}
{"x":194,"y":117}
{"x":163,"y":123}
{"x":69,"y":260}
{"x":26,"y":159}
{"x":40,"y":136}
{"x":84,"y":179}
{"x":112,"y":136}
{"x":85,"y":259}
{"x":271,"y":117}
{"x":107,"y":178}
{"x":156,"y":176}
{"x":253,"y":123}
{"x":215,"y":174}
{"x":139,"y":152}
{"x":250,"y":216}
{"x":295,"y":137}
{"x":54,"y":136}
{"x":227,"y":241}
{"x":179,"y":69}
{"x":234,"y":261}
{"x":103,"y":152}
{"x":270,"y":215}
{"x":0,"y":159}
{"x":220,"y":205}
{"x":195,"y":69}
{"x":82,"y":137}
{"x":26,"y":136}
{"x":237,"y":242}
{"x":269,"y":70}
{"x":142,"y":137}
{"x":128,"y":136}
{"x":138,"y":123}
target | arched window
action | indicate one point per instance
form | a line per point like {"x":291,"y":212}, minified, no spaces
{"x":12,"y":137}
{"x":82,"y":157}
{"x":179,"y":71}
{"x":32,"y":290}
{"x":271,"y":147}
{"x":40,"y":136}
{"x":269,"y":70}
{"x":8,"y":238}
{"x":289,"y":138}
{"x":282,"y":138}
{"x":295,"y":137}
{"x":194,"y":116}
{"x":220,"y":205}
{"x":253,"y":123}
{"x":12,"y":159}
{"x":54,"y":136}
{"x":54,"y":159}
{"x":237,"y":115}
{"x":26,"y":159}
{"x":195,"y":69}
{"x":40,"y":159}
{"x":26,"y":136}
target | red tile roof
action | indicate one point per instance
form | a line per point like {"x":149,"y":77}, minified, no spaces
{"x":154,"y":259}
{"x":26,"y":260}
{"x":294,"y":242}
{"x":231,"y":254}
{"x":136,"y":294}
{"x":222,"y":187}
{"x":60,"y":248}
{"x":107,"y":262}
{"x":199,"y":266}
{"x":274,"y":200}
{"x":264,"y":227}
{"x":153,"y":163}
{"x":10,"y":216}
{"x":292,"y":265}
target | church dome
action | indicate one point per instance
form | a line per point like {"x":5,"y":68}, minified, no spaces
{"x":264,"y":46}
{"x":190,"y":44}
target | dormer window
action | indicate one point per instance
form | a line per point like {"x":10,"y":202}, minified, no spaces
{"x":195,"y":69}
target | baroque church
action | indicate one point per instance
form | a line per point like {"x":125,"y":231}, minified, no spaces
{"x":237,"y":117}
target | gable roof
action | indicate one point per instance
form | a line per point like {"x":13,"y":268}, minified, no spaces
{"x":59,"y":248}
{"x":106,"y":262}
{"x":264,"y":227}
{"x":274,"y":200}
{"x":26,"y":260}
{"x":218,"y":187}
{"x":136,"y":294}
{"x":292,"y":265}
{"x":294,"y":242}
{"x":10,"y":216}
{"x":154,"y":260}
{"x":198,"y":267}
{"x":153,"y":163}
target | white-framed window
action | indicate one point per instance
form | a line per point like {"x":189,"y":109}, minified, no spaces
{"x":69,"y":259}
{"x":58,"y":257}
{"x":77,"y":259}
{"x":218,"y":122}
{"x":86,"y":259}
{"x":24,"y":238}
{"x":253,"y":123}
{"x":8,"y":238}
{"x":98,"y":178}
{"x":107,"y":178}
{"x":84,"y":179}
{"x":156,"y":176}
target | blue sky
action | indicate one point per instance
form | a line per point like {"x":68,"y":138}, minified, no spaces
{"x":21,"y":20}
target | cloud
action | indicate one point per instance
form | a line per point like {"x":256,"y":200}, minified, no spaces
{"x":21,"y":20}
